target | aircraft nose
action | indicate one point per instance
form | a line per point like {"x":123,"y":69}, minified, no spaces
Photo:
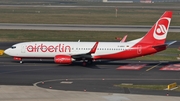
{"x":7,"y":51}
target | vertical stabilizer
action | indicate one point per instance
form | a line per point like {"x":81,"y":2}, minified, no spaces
{"x":157,"y":34}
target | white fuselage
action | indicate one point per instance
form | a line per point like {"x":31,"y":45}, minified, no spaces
{"x":51,"y":49}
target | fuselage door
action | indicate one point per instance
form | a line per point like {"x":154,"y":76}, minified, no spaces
{"x":139,"y":49}
{"x":23,"y":48}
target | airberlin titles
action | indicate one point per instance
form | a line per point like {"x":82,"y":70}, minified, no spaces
{"x":48,"y":48}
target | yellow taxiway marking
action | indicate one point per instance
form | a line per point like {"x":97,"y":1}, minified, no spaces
{"x":152,"y":67}
{"x":1,"y":52}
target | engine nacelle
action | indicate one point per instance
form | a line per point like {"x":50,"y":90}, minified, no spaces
{"x":63,"y":59}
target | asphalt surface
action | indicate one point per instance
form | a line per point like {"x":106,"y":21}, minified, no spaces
{"x":100,"y":77}
{"x":80,"y":27}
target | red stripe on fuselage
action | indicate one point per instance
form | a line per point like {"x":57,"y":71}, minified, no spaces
{"x":135,"y":51}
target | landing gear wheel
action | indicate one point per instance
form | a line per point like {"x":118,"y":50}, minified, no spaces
{"x":21,"y":62}
{"x":89,"y":62}
{"x":84,"y":63}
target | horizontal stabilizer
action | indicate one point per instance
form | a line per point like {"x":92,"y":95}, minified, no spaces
{"x":170,"y":43}
{"x":159,"y":46}
{"x":164,"y":45}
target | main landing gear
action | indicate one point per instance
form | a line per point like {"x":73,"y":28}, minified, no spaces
{"x":87,"y":62}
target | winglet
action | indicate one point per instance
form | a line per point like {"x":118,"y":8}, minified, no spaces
{"x":124,"y":38}
{"x":93,"y":50}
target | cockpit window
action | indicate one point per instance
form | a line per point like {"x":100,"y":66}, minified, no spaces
{"x":13,"y":47}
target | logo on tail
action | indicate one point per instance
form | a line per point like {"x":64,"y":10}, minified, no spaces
{"x":161,"y":28}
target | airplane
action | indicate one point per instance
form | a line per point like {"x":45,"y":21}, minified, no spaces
{"x":88,"y":52}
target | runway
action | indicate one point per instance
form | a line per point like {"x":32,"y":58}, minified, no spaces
{"x":100,"y":77}
{"x":80,"y":27}
{"x":109,"y":6}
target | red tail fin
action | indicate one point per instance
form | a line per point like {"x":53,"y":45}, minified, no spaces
{"x":157,"y":34}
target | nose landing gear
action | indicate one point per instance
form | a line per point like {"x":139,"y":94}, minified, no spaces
{"x":19,"y":59}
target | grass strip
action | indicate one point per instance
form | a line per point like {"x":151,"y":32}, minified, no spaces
{"x":41,"y":35}
{"x":148,"y":87}
{"x":84,"y":15}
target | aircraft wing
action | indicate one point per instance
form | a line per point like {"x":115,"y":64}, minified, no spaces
{"x":86,"y":55}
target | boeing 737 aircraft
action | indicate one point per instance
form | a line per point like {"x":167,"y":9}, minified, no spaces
{"x":67,"y":52}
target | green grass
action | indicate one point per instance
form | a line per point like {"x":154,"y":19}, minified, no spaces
{"x":170,"y":54}
{"x":104,"y":16}
{"x":148,"y":87}
{"x":85,"y":15}
{"x":40,"y":35}
{"x":158,"y":58}
{"x":34,"y":35}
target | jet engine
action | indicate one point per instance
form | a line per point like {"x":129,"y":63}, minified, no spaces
{"x":63,"y":59}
